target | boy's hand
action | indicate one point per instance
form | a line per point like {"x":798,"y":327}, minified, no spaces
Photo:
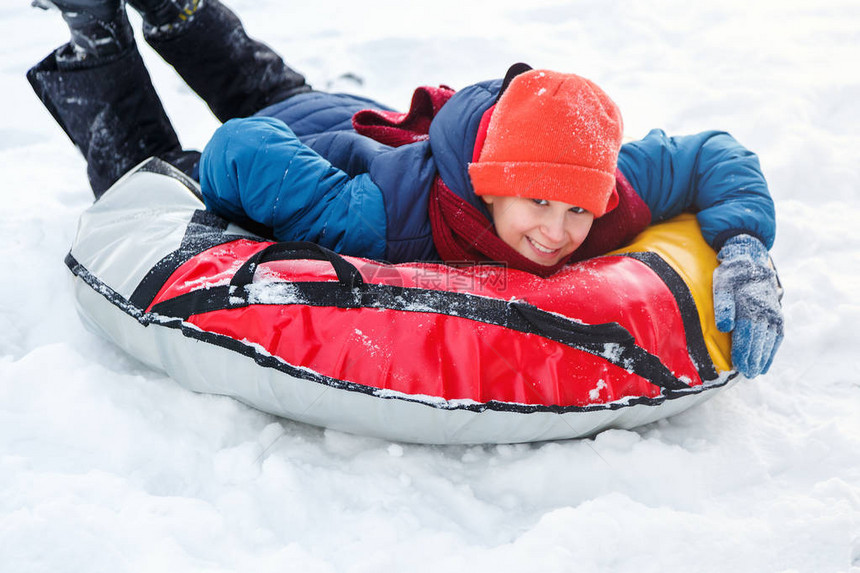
{"x":747,"y":302}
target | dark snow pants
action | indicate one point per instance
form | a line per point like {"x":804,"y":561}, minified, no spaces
{"x":111,"y":112}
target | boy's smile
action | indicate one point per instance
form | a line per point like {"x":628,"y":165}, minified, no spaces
{"x":545,"y":232}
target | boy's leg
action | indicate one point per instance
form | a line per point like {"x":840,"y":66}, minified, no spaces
{"x":206,"y":43}
{"x":108,"y":107}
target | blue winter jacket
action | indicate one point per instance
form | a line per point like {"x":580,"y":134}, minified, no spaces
{"x":319,"y":180}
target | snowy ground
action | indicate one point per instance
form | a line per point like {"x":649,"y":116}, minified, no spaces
{"x":108,"y":466}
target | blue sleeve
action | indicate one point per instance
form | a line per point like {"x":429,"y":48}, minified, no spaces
{"x":710,"y":174}
{"x":256,"y":169}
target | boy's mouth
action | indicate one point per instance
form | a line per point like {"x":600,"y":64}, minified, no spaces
{"x":541,"y":248}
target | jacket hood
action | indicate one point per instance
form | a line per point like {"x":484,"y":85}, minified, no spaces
{"x":453,"y":133}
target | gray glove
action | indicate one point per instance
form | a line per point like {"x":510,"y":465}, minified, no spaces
{"x":747,"y":302}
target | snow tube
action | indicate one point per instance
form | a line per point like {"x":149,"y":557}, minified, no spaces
{"x":413,"y":352}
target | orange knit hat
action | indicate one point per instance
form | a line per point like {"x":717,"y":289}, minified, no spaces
{"x":551,"y":136}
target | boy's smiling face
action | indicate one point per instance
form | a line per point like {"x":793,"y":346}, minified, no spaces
{"x":545,"y":232}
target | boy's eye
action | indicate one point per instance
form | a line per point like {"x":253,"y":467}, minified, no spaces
{"x":545,"y":202}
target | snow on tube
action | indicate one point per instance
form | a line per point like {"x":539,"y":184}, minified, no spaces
{"x":413,"y":352}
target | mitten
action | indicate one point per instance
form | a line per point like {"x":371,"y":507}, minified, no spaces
{"x":747,"y":302}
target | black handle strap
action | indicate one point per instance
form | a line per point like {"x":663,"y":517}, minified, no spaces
{"x":611,"y":341}
{"x":347,"y":274}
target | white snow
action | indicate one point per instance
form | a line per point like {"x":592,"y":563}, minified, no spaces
{"x":107,"y":466}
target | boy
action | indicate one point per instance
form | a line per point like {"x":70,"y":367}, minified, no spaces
{"x":528,"y":170}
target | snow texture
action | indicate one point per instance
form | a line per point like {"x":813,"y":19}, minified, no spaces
{"x":107,"y":466}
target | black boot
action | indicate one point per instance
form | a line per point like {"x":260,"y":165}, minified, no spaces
{"x":99,"y":29}
{"x":234,"y":74}
{"x":111,"y":113}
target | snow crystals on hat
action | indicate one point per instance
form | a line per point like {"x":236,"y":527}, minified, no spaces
{"x":551,"y":136}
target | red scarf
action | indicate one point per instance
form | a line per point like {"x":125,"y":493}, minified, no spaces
{"x":461,"y":233}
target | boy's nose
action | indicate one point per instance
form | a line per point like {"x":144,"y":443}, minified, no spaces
{"x":553,"y":228}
